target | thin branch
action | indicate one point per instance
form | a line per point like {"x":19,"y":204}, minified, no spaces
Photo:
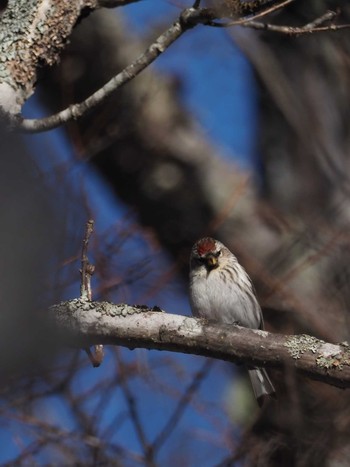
{"x":328,"y":16}
{"x":84,"y":323}
{"x":292,"y":30}
{"x":261,"y":14}
{"x":75,"y":111}
{"x":87,"y":269}
{"x":313,"y":26}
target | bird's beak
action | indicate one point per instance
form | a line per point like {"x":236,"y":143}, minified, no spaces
{"x":212,"y":261}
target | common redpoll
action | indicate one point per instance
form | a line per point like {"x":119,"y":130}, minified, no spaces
{"x":221,"y":291}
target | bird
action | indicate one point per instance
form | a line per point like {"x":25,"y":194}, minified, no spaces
{"x":221,"y":291}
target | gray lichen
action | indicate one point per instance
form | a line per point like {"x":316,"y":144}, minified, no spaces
{"x":327,"y":356}
{"x":103,"y":308}
{"x":33,"y":32}
{"x":15,"y":25}
{"x":297,"y":345}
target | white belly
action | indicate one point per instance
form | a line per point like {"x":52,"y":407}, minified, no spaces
{"x":215,"y":300}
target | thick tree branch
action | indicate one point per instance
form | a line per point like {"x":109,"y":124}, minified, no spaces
{"x":32,"y":33}
{"x":82,"y":323}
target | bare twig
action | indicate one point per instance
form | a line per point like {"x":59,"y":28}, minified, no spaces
{"x":313,"y":26}
{"x":87,"y":270}
{"x":328,"y":16}
{"x":292,"y":30}
{"x":261,"y":14}
{"x":75,"y":111}
{"x":96,"y":355}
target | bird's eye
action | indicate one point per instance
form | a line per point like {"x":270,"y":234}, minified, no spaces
{"x":217,"y":254}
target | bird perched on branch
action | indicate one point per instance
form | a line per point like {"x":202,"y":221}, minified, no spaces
{"x":221,"y":291}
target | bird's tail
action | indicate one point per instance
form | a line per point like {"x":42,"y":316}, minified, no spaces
{"x":262,"y":385}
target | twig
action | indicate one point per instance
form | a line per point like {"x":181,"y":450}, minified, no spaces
{"x":75,"y":111}
{"x":313,"y":26}
{"x":261,"y":14}
{"x":96,"y":355}
{"x":328,"y":16}
{"x":87,"y":270}
{"x":292,"y":30}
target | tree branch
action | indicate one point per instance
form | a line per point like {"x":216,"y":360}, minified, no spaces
{"x":131,"y":71}
{"x":82,"y":323}
{"x":293,"y":30}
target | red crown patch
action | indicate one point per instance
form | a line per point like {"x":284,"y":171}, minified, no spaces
{"x":205,"y":245}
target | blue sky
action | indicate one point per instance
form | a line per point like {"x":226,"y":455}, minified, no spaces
{"x":218,"y":83}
